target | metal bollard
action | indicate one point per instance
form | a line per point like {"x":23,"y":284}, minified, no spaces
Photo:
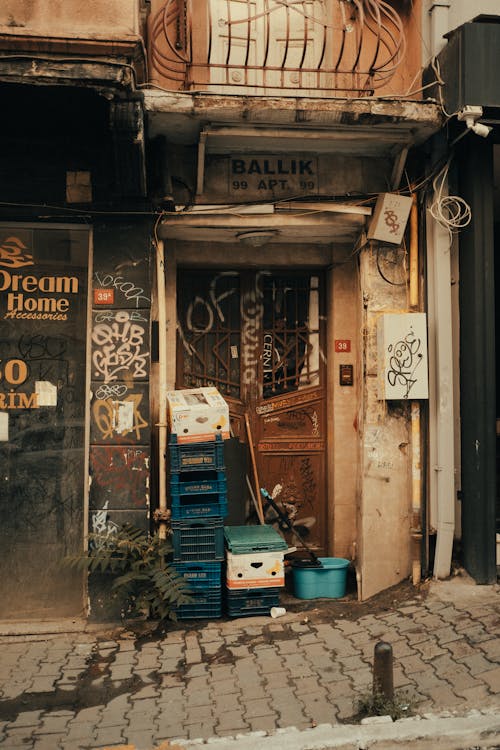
{"x":383,"y":680}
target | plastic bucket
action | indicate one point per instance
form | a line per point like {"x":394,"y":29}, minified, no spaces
{"x":325,"y":582}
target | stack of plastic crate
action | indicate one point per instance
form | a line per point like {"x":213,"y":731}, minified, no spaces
{"x":254,"y":569}
{"x":198,"y":494}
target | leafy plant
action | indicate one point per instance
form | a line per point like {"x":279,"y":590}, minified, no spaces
{"x":143,"y":578}
{"x":377,"y":704}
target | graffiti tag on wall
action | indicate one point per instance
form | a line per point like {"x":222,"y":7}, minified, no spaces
{"x":119,"y":345}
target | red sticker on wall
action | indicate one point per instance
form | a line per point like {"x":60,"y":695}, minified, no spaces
{"x":342,"y":345}
{"x":104,"y":296}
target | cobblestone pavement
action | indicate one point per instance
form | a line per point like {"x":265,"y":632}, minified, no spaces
{"x":96,"y":688}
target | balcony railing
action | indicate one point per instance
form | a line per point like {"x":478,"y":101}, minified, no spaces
{"x":310,"y":47}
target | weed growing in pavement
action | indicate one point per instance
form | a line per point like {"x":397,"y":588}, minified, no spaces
{"x":142,"y":577}
{"x":377,"y":704}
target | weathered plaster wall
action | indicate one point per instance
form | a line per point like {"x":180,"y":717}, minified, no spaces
{"x":385,"y":431}
{"x":343,"y":465}
{"x":69,"y":18}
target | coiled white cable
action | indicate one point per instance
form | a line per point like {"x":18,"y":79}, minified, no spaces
{"x":450,"y":211}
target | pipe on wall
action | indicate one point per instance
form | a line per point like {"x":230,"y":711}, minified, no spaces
{"x":416,"y":462}
{"x":162,"y":366}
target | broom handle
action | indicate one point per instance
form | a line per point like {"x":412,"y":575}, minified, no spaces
{"x":260,"y":511}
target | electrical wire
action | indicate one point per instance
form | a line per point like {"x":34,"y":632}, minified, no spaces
{"x":450,"y":211}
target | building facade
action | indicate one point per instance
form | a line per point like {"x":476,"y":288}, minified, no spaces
{"x":462,"y":46}
{"x":196,"y":194}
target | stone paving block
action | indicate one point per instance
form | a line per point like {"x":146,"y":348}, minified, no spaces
{"x":16,"y":737}
{"x":262,"y":724}
{"x":221,"y":671}
{"x":492,"y":679}
{"x":172,"y":731}
{"x":338,"y":689}
{"x":359,"y":679}
{"x":412,"y":664}
{"x":307,"y":639}
{"x":194,"y":684}
{"x":24,"y":719}
{"x":259,"y":707}
{"x":276,"y":679}
{"x":491,"y":649}
{"x":200,"y":713}
{"x":429,"y":649}
{"x":429,"y":621}
{"x":239,"y":652}
{"x":48,"y":742}
{"x":287,"y":647}
{"x":318,"y":709}
{"x":450,"y":614}
{"x":169,"y":666}
{"x":109,"y":736}
{"x":250,"y":691}
{"x":475,"y":696}
{"x":477,"y":634}
{"x":88,"y":716}
{"x":443,"y":696}
{"x":77,"y":732}
{"x":460,"y":649}
{"x":212,"y":648}
{"x":231,"y":721}
{"x":344,"y":708}
{"x":171,"y":650}
{"x":142,"y":740}
{"x":199,"y":730}
{"x":270,"y":665}
{"x":200,"y":697}
{"x":350,"y":663}
{"x":225,"y":687}
{"x":225,"y":702}
{"x":54,"y":722}
{"x":137,"y":721}
{"x":416,"y":635}
{"x":477,"y":664}
{"x":46,"y":684}
{"x":147,"y":693}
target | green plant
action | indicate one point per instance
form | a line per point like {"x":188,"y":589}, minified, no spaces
{"x":378,"y":704}
{"x":142,"y":577}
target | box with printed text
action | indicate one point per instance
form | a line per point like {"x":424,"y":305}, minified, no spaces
{"x":197,"y":414}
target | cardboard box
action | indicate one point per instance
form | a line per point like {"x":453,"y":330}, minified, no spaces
{"x":197,"y":415}
{"x":256,"y":570}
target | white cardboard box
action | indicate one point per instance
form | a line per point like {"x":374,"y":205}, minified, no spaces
{"x":255,"y":570}
{"x":197,"y":414}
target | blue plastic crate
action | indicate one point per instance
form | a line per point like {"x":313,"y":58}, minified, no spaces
{"x":198,"y":539}
{"x":243,"y":540}
{"x":198,"y":506}
{"x":247,"y":602}
{"x":196,"y":456}
{"x":198,"y":485}
{"x":203,"y":605}
{"x":201,"y":576}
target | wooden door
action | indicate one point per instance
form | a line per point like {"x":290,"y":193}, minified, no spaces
{"x":258,"y":338}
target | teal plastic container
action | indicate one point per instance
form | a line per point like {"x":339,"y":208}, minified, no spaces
{"x":325,"y":582}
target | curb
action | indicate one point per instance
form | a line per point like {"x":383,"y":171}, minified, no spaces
{"x":476,"y":729}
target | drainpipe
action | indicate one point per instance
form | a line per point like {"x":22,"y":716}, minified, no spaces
{"x":439,"y":25}
{"x":162,"y":514}
{"x":441,"y":408}
{"x":416,"y":464}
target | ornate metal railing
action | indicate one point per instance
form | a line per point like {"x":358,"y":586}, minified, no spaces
{"x":350,"y":47}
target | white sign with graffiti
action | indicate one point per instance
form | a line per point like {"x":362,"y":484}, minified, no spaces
{"x":402,"y":356}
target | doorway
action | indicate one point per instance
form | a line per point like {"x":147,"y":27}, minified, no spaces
{"x":258,"y":337}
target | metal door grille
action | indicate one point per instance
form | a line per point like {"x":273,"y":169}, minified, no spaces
{"x":210,"y":331}
{"x":291,"y":333}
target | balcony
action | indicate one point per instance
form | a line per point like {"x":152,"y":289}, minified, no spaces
{"x":318,"y":48}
